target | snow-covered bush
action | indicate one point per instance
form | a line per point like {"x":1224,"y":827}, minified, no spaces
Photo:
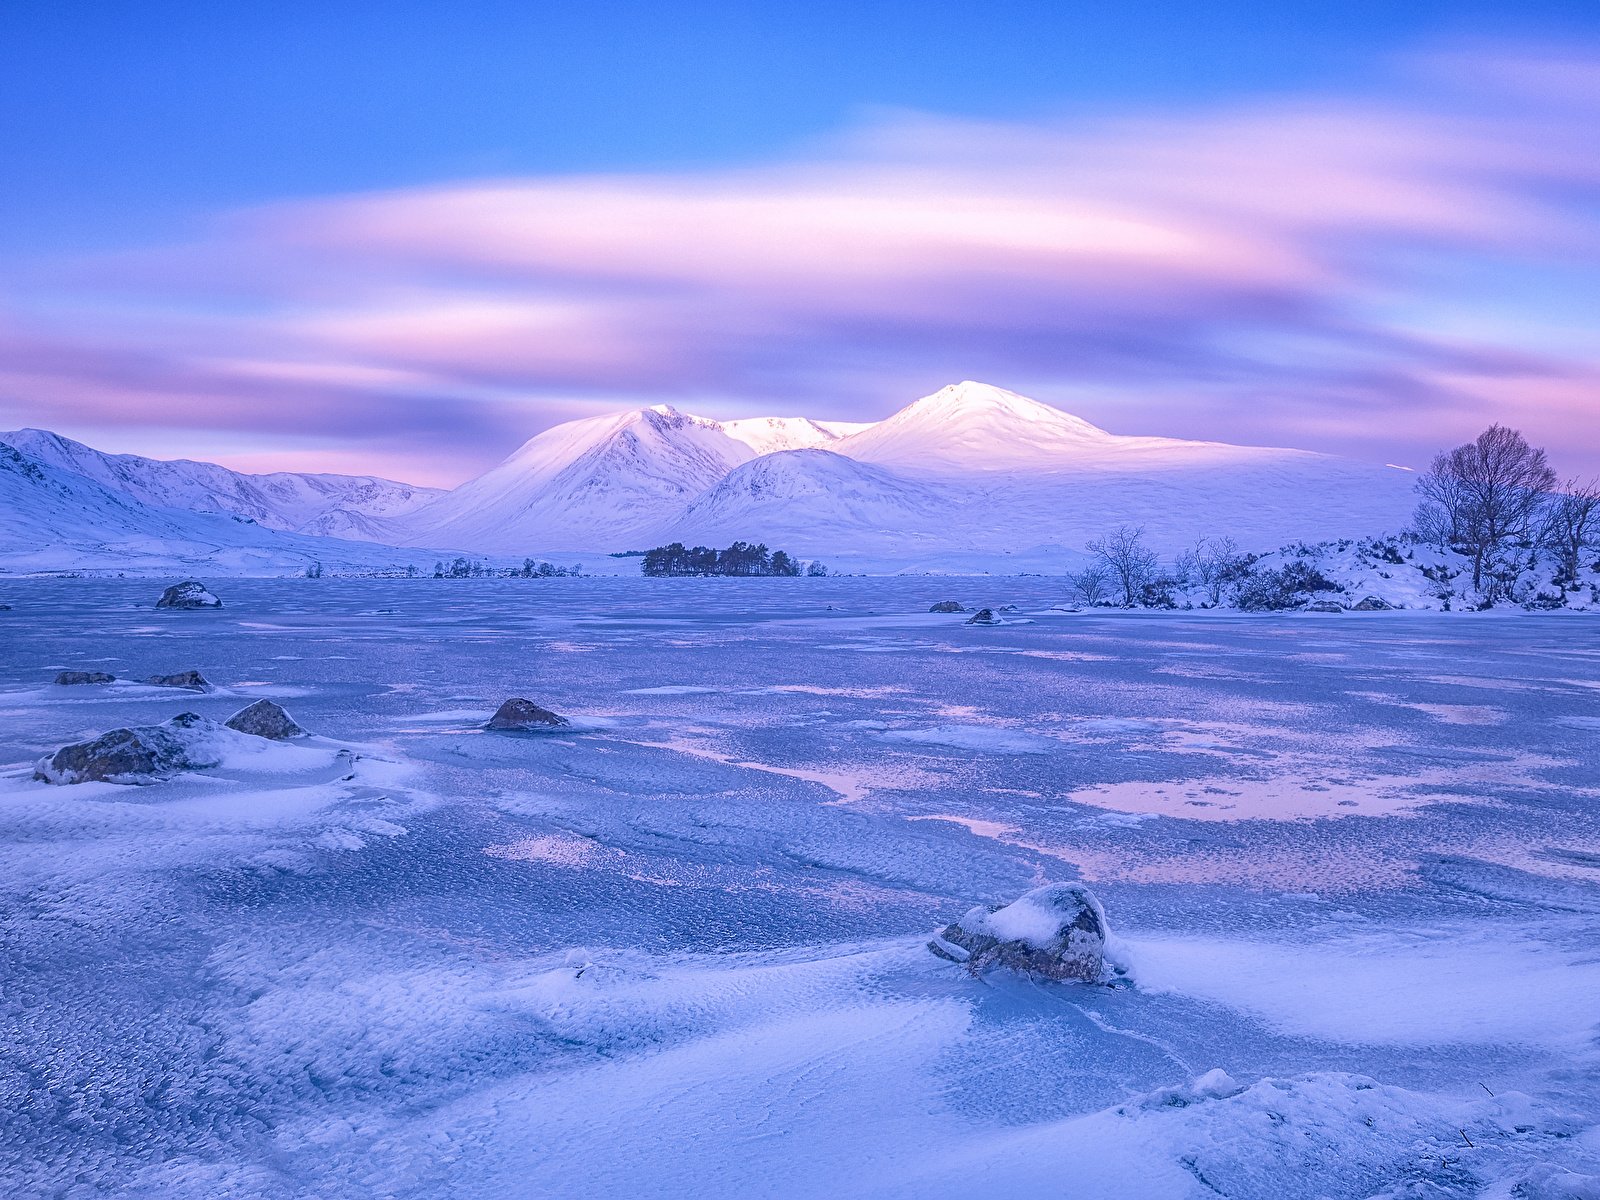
{"x":1288,"y":586}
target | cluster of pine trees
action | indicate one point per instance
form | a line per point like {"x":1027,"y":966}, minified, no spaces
{"x":741,"y":558}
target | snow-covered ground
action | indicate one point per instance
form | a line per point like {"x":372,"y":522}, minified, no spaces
{"x":1353,"y":864}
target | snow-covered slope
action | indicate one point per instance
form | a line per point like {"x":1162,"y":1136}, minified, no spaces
{"x":55,"y":520}
{"x":788,"y":496}
{"x":282,"y":500}
{"x":594,"y":483}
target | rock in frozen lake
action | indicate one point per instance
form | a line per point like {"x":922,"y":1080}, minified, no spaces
{"x":1057,"y":931}
{"x":143,"y":754}
{"x":519,"y":715}
{"x":73,"y":678}
{"x":189,"y":594}
{"x":265,"y":719}
{"x":984,"y":616}
{"x":189,"y":680}
{"x":948,"y":606}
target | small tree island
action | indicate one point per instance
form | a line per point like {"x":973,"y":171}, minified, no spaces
{"x":741,"y":558}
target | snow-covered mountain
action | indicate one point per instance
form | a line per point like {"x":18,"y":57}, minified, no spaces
{"x":593,"y":483}
{"x":342,"y":505}
{"x":57,"y":520}
{"x":970,"y":470}
{"x":968,"y":475}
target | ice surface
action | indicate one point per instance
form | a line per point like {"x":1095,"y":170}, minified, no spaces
{"x":682,"y":953}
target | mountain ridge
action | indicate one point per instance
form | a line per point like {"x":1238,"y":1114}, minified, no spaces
{"x":288,"y":501}
{"x":968,"y":471}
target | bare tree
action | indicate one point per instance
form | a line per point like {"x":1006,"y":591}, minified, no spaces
{"x":1092,"y":584}
{"x":1212,"y":563}
{"x":1571,"y":522}
{"x":1124,"y":554}
{"x":1484,"y":493}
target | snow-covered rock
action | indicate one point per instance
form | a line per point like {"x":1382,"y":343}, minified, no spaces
{"x":189,"y":594}
{"x":191,"y":681}
{"x":1057,"y":931}
{"x":77,"y":678}
{"x":142,"y":754}
{"x":265,"y":719}
{"x":524,"y":716}
{"x":984,"y":616}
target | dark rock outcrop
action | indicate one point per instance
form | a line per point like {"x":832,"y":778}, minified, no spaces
{"x":189,"y":594}
{"x":984,"y":616}
{"x":1057,"y":932}
{"x":74,"y":678}
{"x":1372,"y":604}
{"x":948,"y":606}
{"x":1324,"y":606}
{"x":267,"y":720}
{"x":191,"y":681}
{"x":142,"y":754}
{"x":524,"y":716}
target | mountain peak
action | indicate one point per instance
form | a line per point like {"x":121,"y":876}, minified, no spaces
{"x":973,"y":426}
{"x":970,"y":398}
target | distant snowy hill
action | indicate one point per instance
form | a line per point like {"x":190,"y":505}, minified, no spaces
{"x":970,"y":470}
{"x":344,"y":505}
{"x":56,"y":520}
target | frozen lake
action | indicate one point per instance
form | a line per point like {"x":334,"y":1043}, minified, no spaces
{"x":680,"y":950}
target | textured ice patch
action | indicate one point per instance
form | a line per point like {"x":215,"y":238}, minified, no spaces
{"x":983,"y":739}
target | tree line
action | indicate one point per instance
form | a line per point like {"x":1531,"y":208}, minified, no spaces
{"x":470,"y":568}
{"x":741,"y":558}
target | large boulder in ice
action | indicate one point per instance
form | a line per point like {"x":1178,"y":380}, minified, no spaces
{"x":191,"y":681}
{"x":1372,"y":604}
{"x":517,"y":715}
{"x":267,"y":720}
{"x":1324,"y":606}
{"x":143,"y":754}
{"x":984,"y":616}
{"x":75,"y":678}
{"x":189,"y":594}
{"x":948,"y":606}
{"x":1057,"y":931}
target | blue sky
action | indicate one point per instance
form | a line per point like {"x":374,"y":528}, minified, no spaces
{"x":160,"y":156}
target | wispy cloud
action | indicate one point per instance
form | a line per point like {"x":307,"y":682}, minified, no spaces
{"x":1290,"y":271}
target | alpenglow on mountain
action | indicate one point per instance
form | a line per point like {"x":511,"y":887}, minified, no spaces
{"x":971,"y":476}
{"x":970,"y":470}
